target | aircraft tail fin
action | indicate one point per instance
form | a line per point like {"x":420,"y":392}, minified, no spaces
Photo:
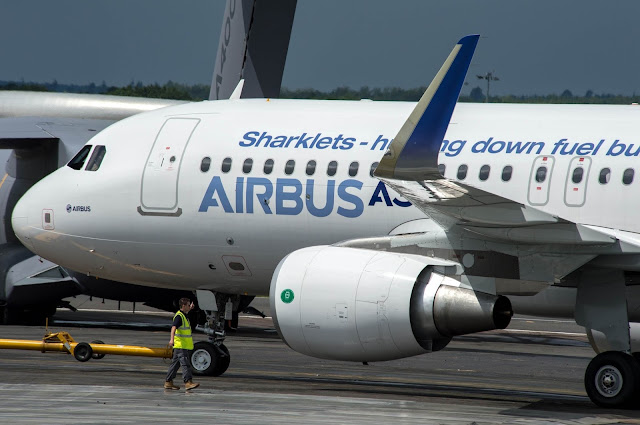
{"x":413,"y":154}
{"x":253,"y":46}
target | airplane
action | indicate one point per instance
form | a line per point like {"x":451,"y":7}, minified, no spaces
{"x":379,"y":230}
{"x":41,"y":131}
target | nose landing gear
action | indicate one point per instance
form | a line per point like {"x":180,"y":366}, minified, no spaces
{"x":212,"y":357}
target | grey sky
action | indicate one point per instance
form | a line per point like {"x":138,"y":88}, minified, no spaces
{"x":534,"y":46}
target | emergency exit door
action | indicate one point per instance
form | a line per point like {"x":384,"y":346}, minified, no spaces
{"x":540,"y":180}
{"x":575,"y":192}
{"x":159,"y":190}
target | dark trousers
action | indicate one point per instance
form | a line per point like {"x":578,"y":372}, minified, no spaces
{"x":180,"y":358}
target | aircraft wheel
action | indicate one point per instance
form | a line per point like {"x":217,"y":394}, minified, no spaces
{"x":612,"y":379}
{"x":206,"y":359}
{"x":83,"y":352}
{"x":96,"y":355}
{"x":203,"y":358}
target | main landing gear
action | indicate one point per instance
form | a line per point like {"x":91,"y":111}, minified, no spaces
{"x":212,"y":357}
{"x":612,"y":378}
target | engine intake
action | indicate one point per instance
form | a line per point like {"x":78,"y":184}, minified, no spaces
{"x":363,"y":305}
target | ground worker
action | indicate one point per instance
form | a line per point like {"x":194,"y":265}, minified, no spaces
{"x":182,"y":343}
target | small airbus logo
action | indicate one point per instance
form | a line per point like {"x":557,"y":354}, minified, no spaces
{"x":78,"y":208}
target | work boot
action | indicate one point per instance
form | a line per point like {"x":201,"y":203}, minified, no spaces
{"x":189,"y":385}
{"x":168,"y":385}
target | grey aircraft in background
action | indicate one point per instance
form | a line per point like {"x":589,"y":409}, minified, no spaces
{"x":40,"y":132}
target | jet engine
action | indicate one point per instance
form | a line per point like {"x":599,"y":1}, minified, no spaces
{"x":363,"y":305}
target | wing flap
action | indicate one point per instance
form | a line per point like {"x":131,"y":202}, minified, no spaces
{"x":33,"y":132}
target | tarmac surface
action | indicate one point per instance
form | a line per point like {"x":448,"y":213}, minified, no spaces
{"x":530,"y":373}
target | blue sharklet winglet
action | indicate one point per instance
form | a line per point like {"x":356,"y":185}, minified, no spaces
{"x":413,"y":153}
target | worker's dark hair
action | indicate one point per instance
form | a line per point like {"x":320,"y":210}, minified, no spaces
{"x":184,"y":302}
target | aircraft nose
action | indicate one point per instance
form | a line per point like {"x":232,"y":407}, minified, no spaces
{"x":20,"y":221}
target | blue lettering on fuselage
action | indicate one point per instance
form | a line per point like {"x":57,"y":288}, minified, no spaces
{"x":289,"y":198}
{"x":381,"y":189}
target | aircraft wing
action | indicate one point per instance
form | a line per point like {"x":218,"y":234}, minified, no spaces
{"x":492,"y":216}
{"x":32,"y":132}
{"x":410,"y":167}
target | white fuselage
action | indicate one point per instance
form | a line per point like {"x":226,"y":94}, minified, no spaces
{"x":150,"y":214}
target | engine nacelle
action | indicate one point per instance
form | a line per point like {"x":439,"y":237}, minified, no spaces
{"x":362,"y":305}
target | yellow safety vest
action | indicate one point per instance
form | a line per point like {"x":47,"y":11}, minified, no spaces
{"x":182,"y":338}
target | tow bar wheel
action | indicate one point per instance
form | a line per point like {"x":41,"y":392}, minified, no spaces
{"x":95,"y":355}
{"x":612,"y":379}
{"x":207,"y":359}
{"x":83,"y":352}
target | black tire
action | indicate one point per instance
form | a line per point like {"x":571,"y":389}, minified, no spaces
{"x":83,"y":352}
{"x":96,"y":355}
{"x":612,"y":379}
{"x":207,"y":360}
{"x":224,"y":359}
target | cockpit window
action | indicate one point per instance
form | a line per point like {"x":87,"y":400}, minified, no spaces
{"x":96,"y":158}
{"x":78,"y":161}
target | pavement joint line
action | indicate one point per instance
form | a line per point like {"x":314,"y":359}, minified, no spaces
{"x":145,"y":312}
{"x":152,"y":313}
{"x":101,"y":390}
{"x":525,"y":331}
{"x":532,"y":319}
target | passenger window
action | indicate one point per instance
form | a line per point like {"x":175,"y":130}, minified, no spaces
{"x":605,"y":176}
{"x":541,"y":174}
{"x":373,"y":168}
{"x":311,"y":167}
{"x":627,"y":177}
{"x":289,"y":166}
{"x":462,"y":172}
{"x":248,"y":164}
{"x":506,"y":173}
{"x":226,"y":165}
{"x":268,"y":166}
{"x":577,"y":175}
{"x":96,"y":158}
{"x":205,"y":164}
{"x":332,"y":168}
{"x":441,"y":169}
{"x":78,"y":161}
{"x":484,"y":172}
{"x":353,"y":169}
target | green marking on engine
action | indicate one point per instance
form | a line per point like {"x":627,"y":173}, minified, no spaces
{"x":286,"y":296}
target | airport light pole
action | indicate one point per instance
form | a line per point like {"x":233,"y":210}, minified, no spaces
{"x":489,"y":77}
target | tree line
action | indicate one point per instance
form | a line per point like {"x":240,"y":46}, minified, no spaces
{"x":197,"y":92}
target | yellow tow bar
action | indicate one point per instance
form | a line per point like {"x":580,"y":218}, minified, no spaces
{"x":82,"y":351}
